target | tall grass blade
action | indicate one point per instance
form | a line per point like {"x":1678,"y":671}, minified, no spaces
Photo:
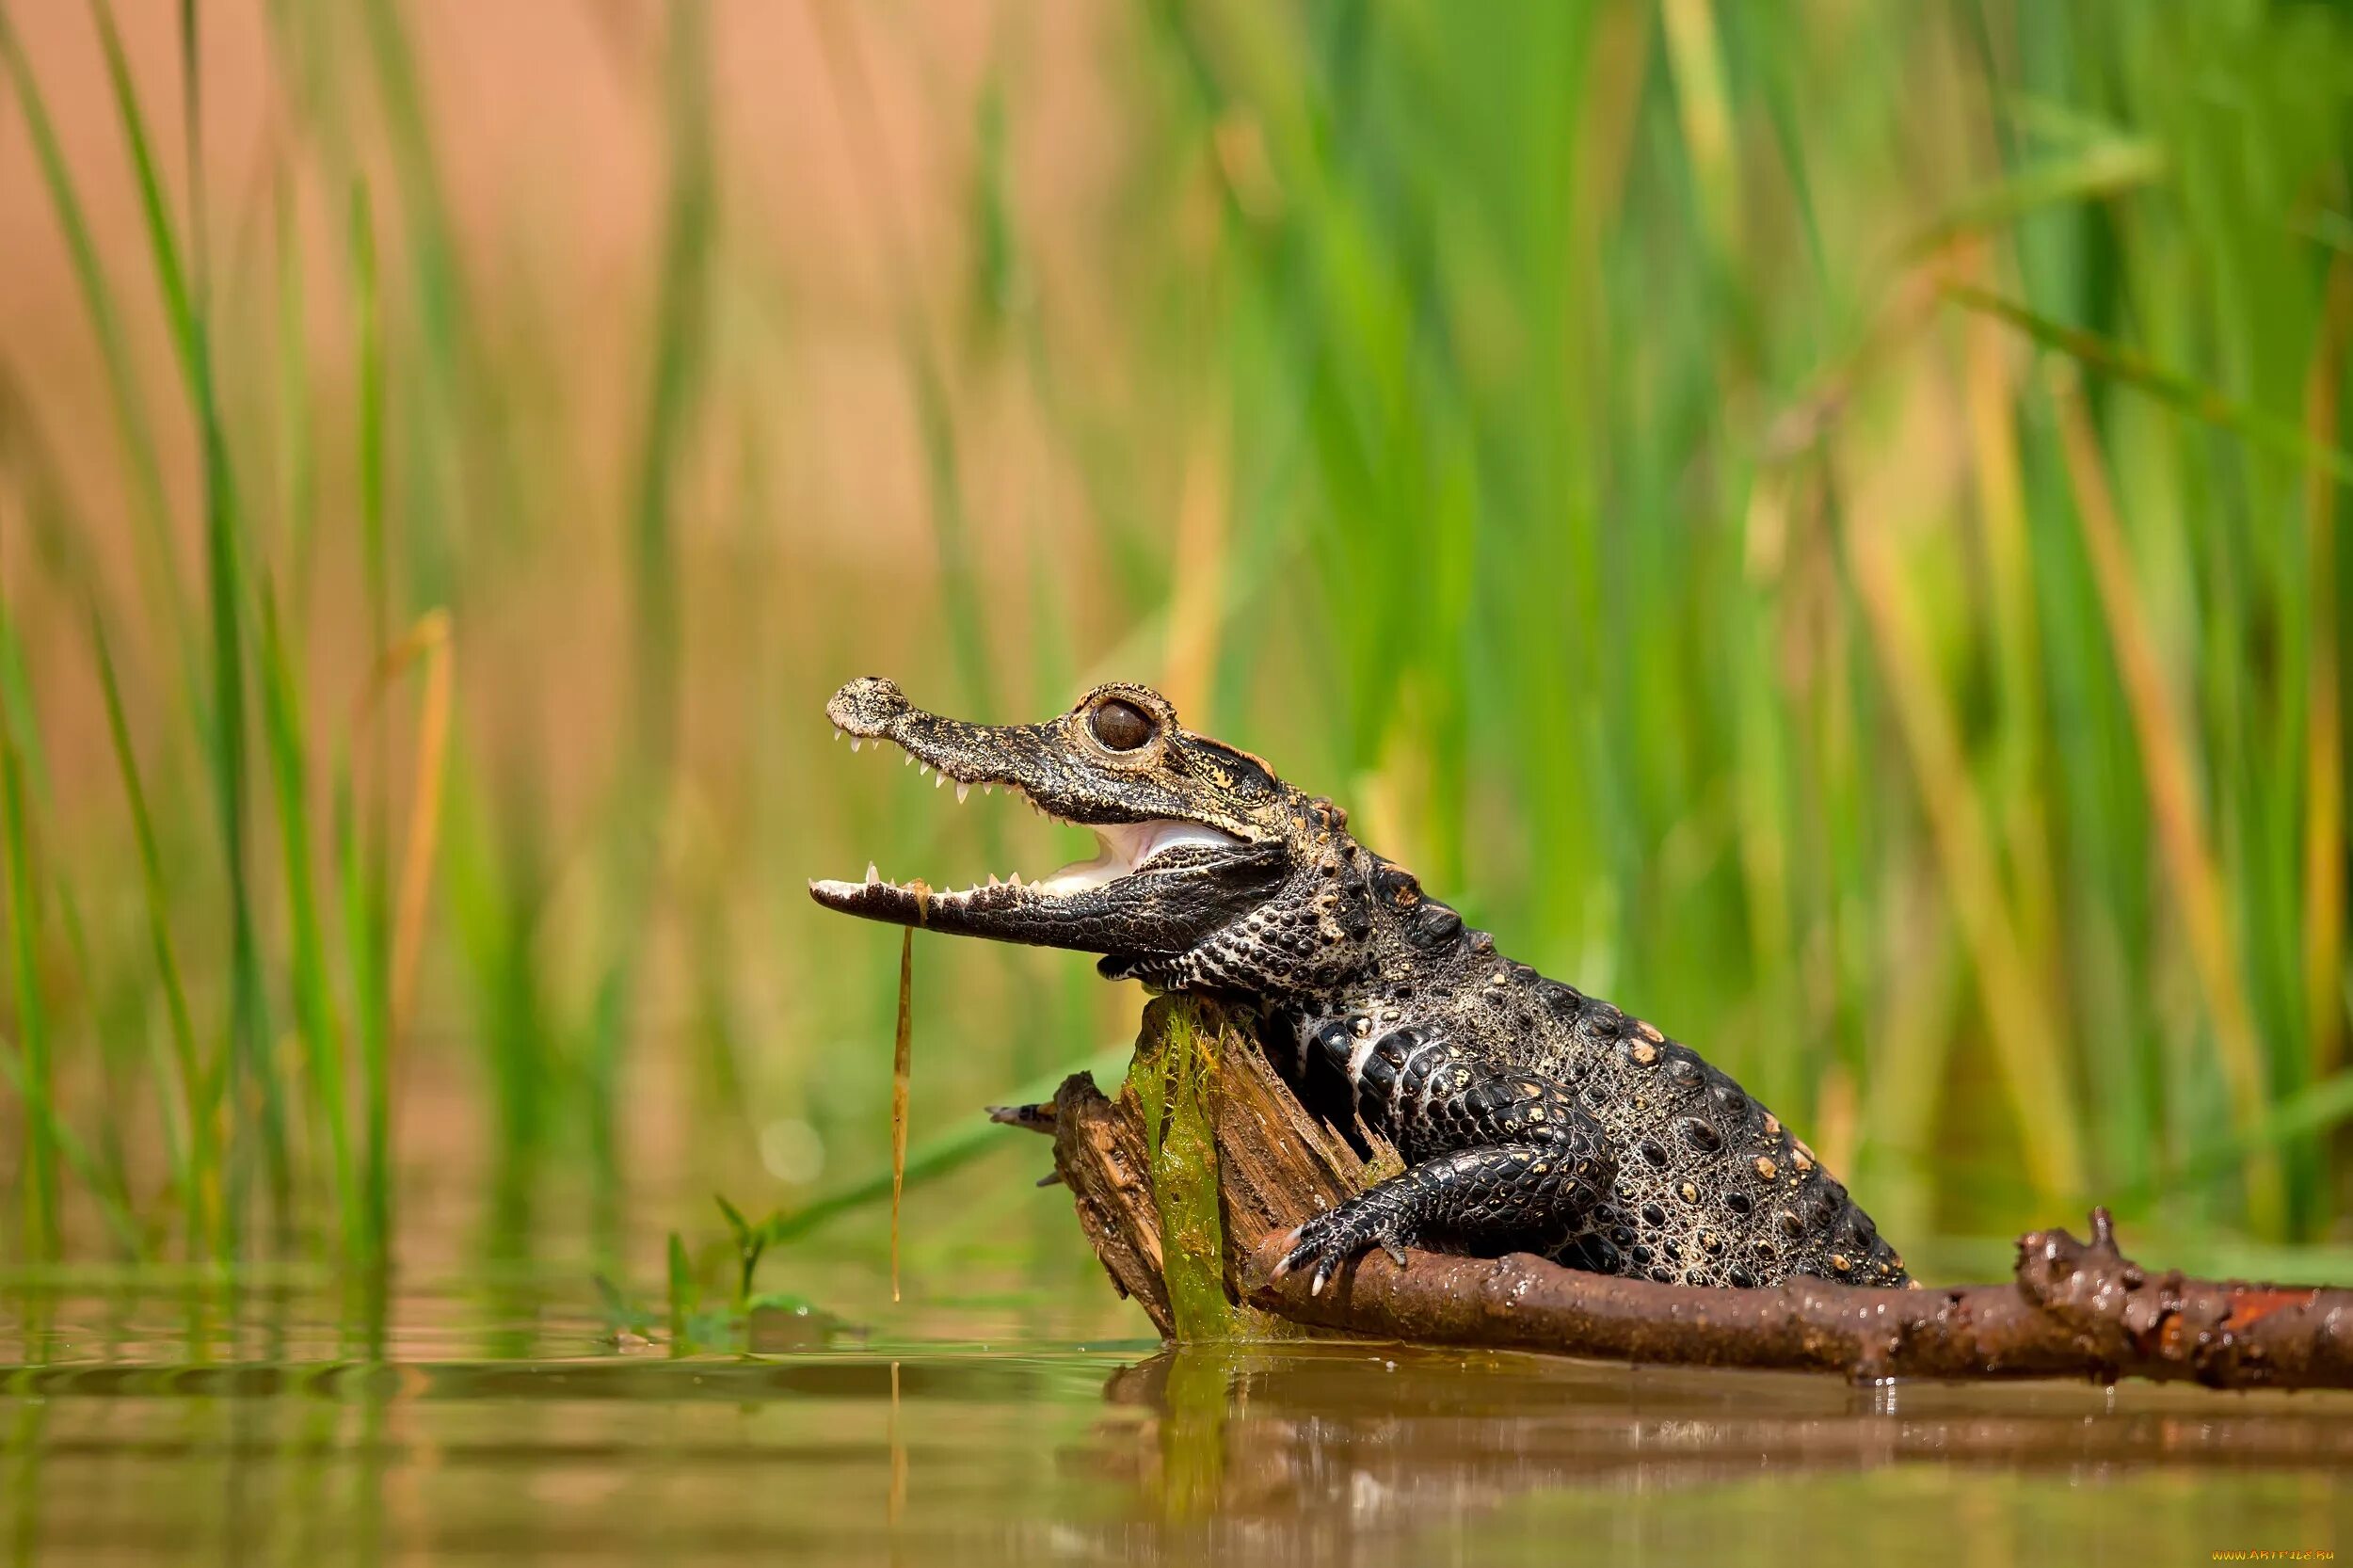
{"x":154,"y":207}
{"x":105,"y":1186}
{"x":368,"y":915}
{"x":680,"y":331}
{"x":297,"y":498}
{"x":367,"y":307}
{"x":2281,"y":437}
{"x":1696,"y":55}
{"x":363,"y":911}
{"x":313,"y":993}
{"x":35,"y":1080}
{"x":387,"y":958}
{"x":2108,"y":168}
{"x":200,"y":1176}
{"x":224,"y":588}
{"x":423,"y":835}
{"x":2199,"y":893}
{"x":2028,"y":1042}
{"x":683,"y":1297}
{"x":159,"y":559}
{"x":2323,"y":742}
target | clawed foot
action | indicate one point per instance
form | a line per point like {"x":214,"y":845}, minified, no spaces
{"x":1335,"y":1238}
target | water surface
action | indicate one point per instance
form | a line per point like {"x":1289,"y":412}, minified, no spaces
{"x":268,"y":1432}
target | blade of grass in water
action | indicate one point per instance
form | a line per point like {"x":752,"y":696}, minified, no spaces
{"x":32,"y":1072}
{"x":385,"y":961}
{"x":225,"y":581}
{"x":314,"y":1004}
{"x":901,"y":1064}
{"x":199,"y":1178}
{"x":42,"y":1115}
{"x":682,"y":1296}
{"x":368,"y":916}
{"x":364,"y":960}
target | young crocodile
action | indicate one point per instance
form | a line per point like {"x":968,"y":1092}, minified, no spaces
{"x":1532,"y":1117}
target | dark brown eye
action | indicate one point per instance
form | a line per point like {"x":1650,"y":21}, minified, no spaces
{"x":1121,"y":725}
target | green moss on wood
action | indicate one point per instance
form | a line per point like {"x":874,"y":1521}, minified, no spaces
{"x":1170,"y":1078}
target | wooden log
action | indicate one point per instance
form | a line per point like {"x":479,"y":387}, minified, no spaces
{"x":2073,"y":1309}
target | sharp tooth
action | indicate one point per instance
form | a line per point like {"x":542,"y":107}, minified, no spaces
{"x":837,"y":732}
{"x":992,"y":880}
{"x":872,"y":876}
{"x":988,"y":789}
{"x":964,"y":793}
{"x":855,"y":743}
{"x":1017,"y":879}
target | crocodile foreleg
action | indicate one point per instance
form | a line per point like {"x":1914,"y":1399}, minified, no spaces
{"x":1495,"y":1157}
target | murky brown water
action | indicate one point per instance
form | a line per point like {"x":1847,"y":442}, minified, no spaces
{"x":542,"y":1442}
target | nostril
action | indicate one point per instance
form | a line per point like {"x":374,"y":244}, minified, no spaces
{"x":864,"y":706}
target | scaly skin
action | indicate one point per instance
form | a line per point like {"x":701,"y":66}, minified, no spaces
{"x":1532,"y":1117}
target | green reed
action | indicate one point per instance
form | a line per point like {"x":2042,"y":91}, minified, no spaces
{"x":189,"y":1119}
{"x":32,"y":1070}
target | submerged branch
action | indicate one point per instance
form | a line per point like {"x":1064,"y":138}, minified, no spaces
{"x":2072,"y":1310}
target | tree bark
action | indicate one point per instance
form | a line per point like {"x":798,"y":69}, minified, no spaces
{"x":2073,"y":1309}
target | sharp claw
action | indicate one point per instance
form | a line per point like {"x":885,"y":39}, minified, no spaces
{"x":1314,"y":1286}
{"x":1395,"y":1250}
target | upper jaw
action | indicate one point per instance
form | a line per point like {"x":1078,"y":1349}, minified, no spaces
{"x":1123,"y":850}
{"x":1018,"y":757}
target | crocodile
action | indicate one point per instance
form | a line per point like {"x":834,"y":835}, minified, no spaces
{"x":1532,"y":1115}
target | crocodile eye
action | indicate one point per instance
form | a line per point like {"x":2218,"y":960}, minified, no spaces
{"x":1120,"y":725}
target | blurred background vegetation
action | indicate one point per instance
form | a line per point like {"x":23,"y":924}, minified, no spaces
{"x":1816,"y":520}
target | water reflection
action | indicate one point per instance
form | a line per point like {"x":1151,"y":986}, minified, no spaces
{"x":1353,"y":1453}
{"x":1304,"y":1454}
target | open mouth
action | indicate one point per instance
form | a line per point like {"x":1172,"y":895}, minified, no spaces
{"x":1122,"y":850}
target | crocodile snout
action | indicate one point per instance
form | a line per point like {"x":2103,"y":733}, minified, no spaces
{"x":866,"y":706}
